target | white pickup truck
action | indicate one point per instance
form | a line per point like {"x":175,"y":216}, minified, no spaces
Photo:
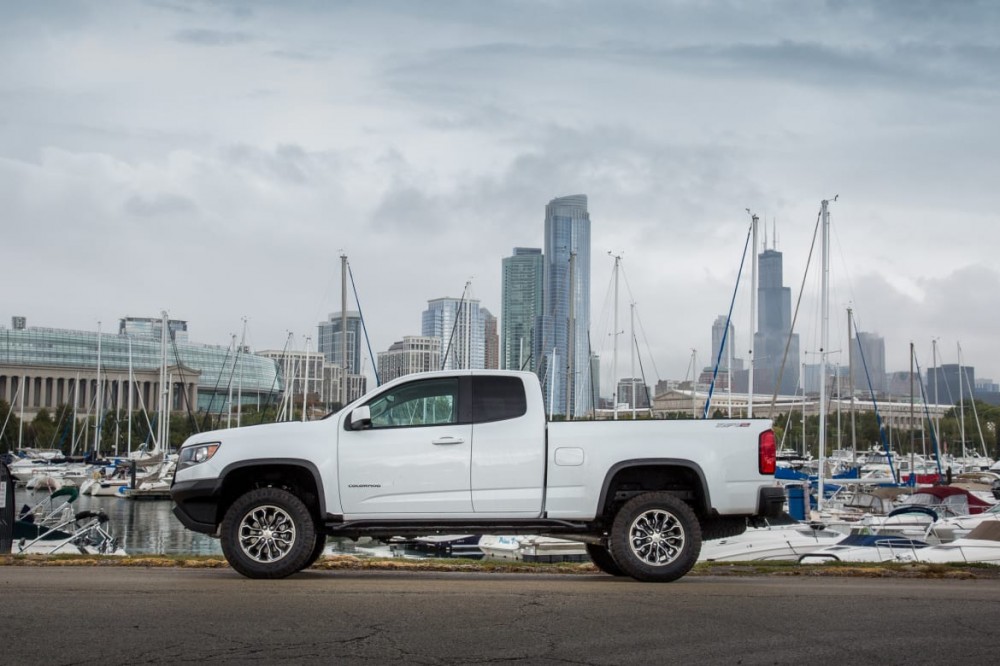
{"x":471,"y":452}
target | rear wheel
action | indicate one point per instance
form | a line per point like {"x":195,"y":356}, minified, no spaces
{"x":655,"y":537}
{"x":268,"y":533}
{"x":601,"y":557}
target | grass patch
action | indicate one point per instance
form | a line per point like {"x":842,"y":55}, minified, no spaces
{"x":353,"y":563}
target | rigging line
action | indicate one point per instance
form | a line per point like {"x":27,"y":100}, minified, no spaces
{"x":180,"y":371}
{"x":364,"y":328}
{"x":645,"y":339}
{"x":232,"y":374}
{"x":878,"y":416}
{"x":628,"y":288}
{"x":454,"y":327}
{"x":930,"y":420}
{"x":725,"y":333}
{"x":590,"y":370}
{"x":272,"y":393}
{"x":218,"y":379}
{"x":795,"y":317}
{"x":645,"y":384}
{"x":975,"y":413}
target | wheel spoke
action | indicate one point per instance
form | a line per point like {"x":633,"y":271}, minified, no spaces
{"x":267,"y":533}
{"x":656,"y":537}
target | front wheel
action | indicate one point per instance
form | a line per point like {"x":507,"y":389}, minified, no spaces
{"x":268,"y":533}
{"x":655,"y":538}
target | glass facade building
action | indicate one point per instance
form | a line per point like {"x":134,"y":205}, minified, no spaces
{"x":58,"y":366}
{"x":562,"y":345}
{"x":461,"y":329}
{"x":521,"y":308}
{"x":330,"y":342}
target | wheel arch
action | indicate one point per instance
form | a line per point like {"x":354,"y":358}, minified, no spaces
{"x":301,"y":477}
{"x":683,"y":477}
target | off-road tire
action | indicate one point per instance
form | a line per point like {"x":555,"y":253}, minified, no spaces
{"x":601,"y":557}
{"x":721,"y":527}
{"x":655,"y":538}
{"x":268,"y":533}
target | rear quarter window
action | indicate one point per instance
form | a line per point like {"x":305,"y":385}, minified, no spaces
{"x":497,"y":399}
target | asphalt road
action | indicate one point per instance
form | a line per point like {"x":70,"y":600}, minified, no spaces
{"x":122,"y":615}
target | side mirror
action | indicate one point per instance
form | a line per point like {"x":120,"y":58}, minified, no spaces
{"x":361,"y":418}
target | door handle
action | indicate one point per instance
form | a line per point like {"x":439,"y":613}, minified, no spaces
{"x":447,"y":439}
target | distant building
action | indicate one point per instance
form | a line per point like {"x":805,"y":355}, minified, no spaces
{"x":152,"y":327}
{"x":562,"y":345}
{"x":458,"y":323}
{"x":330,"y":345}
{"x":414,"y":353}
{"x":718,"y":331}
{"x":521,"y":308}
{"x":869,"y":362}
{"x":57,"y":366}
{"x":302,"y":372}
{"x":633,"y":393}
{"x":943,"y":383}
{"x":774,"y":324}
{"x":491,"y":341}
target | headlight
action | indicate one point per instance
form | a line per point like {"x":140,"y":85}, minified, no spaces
{"x":196,"y":454}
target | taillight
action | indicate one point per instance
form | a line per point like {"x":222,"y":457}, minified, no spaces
{"x":767,"y":458}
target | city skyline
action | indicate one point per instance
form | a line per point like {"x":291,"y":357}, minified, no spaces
{"x":213,"y":160}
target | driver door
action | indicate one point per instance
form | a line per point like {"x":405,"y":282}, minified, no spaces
{"x":414,"y":458}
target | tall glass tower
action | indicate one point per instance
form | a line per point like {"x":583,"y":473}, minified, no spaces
{"x":774,"y":317}
{"x":563,"y":344}
{"x":521,"y":308}
{"x":329,"y":343}
{"x":459,"y":325}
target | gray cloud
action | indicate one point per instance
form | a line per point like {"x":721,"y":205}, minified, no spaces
{"x":159,"y":204}
{"x":205,"y":37}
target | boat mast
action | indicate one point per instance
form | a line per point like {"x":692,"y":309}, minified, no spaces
{"x":97,"y":411}
{"x":824,"y":346}
{"x":305,"y":383}
{"x":229,"y":397}
{"x":343,"y":328}
{"x":571,"y":340}
{"x":631,"y":347}
{"x":164,"y":415}
{"x":961,"y":404}
{"x":913,"y":430}
{"x":131,"y":390}
{"x":239,"y":387}
{"x":614,"y":347}
{"x":753,"y":313}
{"x":850,"y":372}
{"x":937,"y":412}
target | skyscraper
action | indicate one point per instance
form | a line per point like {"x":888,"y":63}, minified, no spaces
{"x":458,"y":324}
{"x":521,"y":308}
{"x":329,"y":341}
{"x":871,"y":347}
{"x":563,"y":345}
{"x":774,"y":317}
{"x":491,"y":342}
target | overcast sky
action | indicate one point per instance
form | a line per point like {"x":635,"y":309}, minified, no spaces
{"x":214,"y":158}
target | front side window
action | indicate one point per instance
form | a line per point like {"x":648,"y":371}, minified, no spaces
{"x":422,"y":403}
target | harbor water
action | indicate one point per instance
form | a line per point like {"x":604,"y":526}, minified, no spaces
{"x":143,"y":527}
{"x":148,"y":527}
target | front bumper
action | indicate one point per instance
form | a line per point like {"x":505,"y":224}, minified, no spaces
{"x":771,"y":501}
{"x":196,"y":504}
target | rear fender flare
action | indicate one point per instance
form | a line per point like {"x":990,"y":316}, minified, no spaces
{"x":704,"y":508}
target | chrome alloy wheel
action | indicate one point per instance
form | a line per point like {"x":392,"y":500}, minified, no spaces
{"x":267,"y":533}
{"x":656,"y":537}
